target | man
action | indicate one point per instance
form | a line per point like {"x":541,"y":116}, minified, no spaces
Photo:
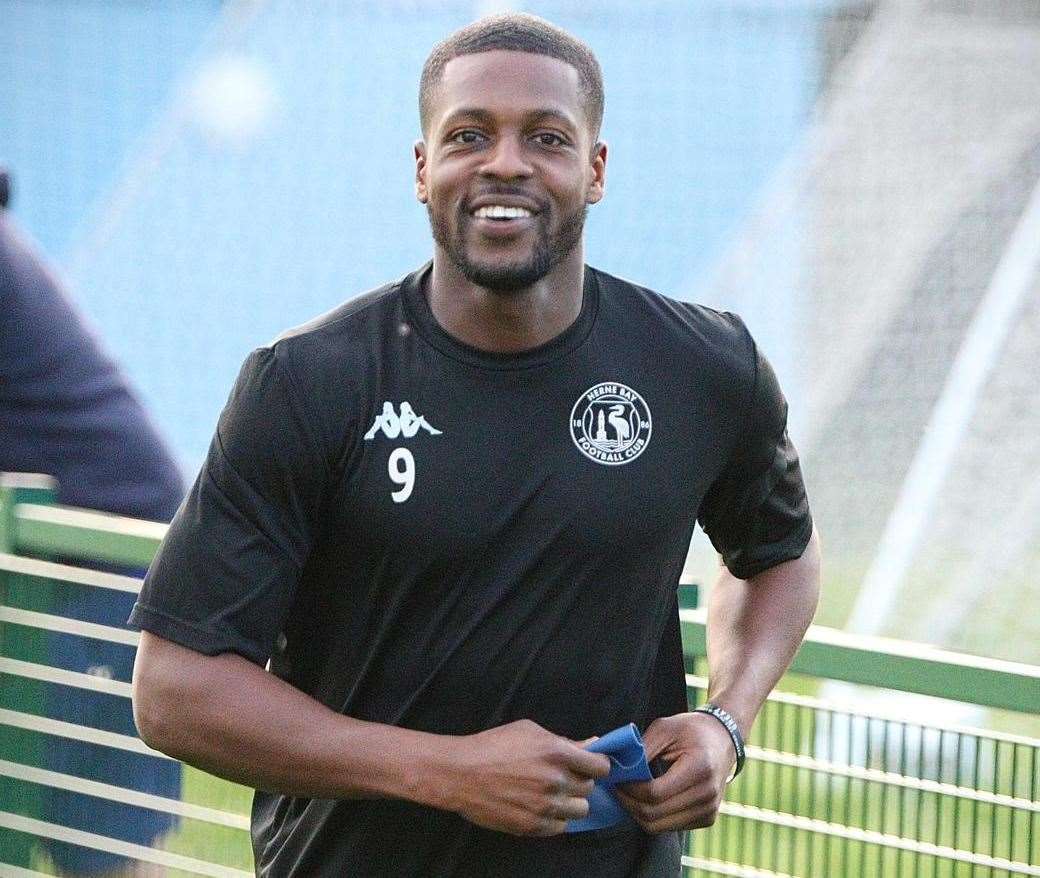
{"x":66,"y":410}
{"x":450,"y":616}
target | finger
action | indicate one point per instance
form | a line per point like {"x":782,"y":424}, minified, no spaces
{"x":625,"y":796}
{"x":550,"y":826}
{"x":582,"y":787}
{"x":660,"y":788}
{"x":649,"y":807}
{"x":584,"y":763}
{"x":637,"y":791}
{"x":572,"y":808}
{"x":656,"y":739}
{"x":694,"y":817}
{"x":682,"y":774}
{"x":573,"y":786}
{"x":587,"y":741}
{"x":559,"y":811}
{"x":699,"y":798}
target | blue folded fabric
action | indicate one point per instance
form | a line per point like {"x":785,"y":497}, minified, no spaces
{"x":628,"y":762}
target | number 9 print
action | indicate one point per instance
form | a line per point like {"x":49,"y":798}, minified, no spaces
{"x":401,"y":467}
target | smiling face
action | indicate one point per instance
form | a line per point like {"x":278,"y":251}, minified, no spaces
{"x":508,"y":167}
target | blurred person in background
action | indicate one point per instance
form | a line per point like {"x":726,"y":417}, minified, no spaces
{"x":439,"y":514}
{"x":68,"y":412}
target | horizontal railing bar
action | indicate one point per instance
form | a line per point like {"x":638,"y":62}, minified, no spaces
{"x":92,"y":520}
{"x":65,"y":625}
{"x":846,"y":707}
{"x":33,"y":723}
{"x":68,"y":573}
{"x":873,"y":775}
{"x":717,"y":867}
{"x":843,"y":706}
{"x":61,"y":530}
{"x":31,"y":826}
{"x":895,"y":664}
{"x":9,"y":871}
{"x":63,"y":677}
{"x":854,"y":772}
{"x":28,"y":481}
{"x":72,"y":783}
{"x":880,"y":839}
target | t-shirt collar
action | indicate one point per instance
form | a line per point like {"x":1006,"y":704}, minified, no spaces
{"x":413,"y":288}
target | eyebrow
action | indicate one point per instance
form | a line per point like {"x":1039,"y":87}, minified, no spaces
{"x":487,"y":118}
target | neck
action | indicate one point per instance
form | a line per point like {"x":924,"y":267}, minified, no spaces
{"x":506,"y":322}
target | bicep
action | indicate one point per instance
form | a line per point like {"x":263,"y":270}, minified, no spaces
{"x":176,"y":688}
{"x":162,"y":670}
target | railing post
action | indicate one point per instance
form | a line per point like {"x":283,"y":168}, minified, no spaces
{"x":18,"y":488}
{"x":21,"y":488}
{"x":26,"y":696}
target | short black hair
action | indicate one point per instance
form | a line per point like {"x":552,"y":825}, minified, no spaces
{"x":516,"y":32}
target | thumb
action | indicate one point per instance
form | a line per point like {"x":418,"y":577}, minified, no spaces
{"x":656,"y":740}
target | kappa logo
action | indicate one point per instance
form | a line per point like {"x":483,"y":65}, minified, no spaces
{"x":406,"y":424}
{"x":610,"y":424}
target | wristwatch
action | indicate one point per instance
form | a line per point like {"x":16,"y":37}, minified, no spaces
{"x":730,"y":725}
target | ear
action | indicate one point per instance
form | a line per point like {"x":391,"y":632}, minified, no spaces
{"x":420,"y":171}
{"x":598,"y":173}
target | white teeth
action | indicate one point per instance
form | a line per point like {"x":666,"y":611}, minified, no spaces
{"x":499,"y":211}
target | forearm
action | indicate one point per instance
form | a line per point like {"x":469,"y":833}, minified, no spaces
{"x":231,"y":718}
{"x":755,"y":627}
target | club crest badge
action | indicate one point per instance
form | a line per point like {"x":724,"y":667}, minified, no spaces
{"x":610,"y":424}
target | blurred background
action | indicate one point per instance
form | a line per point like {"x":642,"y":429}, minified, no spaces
{"x":859,"y":180}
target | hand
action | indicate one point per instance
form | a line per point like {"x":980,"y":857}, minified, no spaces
{"x":689,"y":794}
{"x":521,"y":778}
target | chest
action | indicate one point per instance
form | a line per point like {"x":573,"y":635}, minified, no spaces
{"x":595,"y":460}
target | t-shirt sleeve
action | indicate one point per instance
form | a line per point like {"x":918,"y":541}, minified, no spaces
{"x":227,"y":571}
{"x":756,"y":513}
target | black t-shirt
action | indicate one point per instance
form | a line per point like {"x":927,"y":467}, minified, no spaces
{"x":420,"y":533}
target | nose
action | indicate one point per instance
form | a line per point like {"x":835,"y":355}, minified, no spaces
{"x":507,"y":160}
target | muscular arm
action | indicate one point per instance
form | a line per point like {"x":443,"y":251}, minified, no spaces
{"x":754,"y":629}
{"x":231,"y":718}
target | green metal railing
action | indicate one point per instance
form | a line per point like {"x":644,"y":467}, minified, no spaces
{"x":829,"y":790}
{"x":832,"y":791}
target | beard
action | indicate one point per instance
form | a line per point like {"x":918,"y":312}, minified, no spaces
{"x":508,"y":277}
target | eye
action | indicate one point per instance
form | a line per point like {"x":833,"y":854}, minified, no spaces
{"x":467,"y":136}
{"x":548,"y":138}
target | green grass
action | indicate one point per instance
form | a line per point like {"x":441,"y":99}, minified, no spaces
{"x":193,"y":838}
{"x":909,"y":814}
{"x":207,"y":841}
{"x":926,"y":816}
